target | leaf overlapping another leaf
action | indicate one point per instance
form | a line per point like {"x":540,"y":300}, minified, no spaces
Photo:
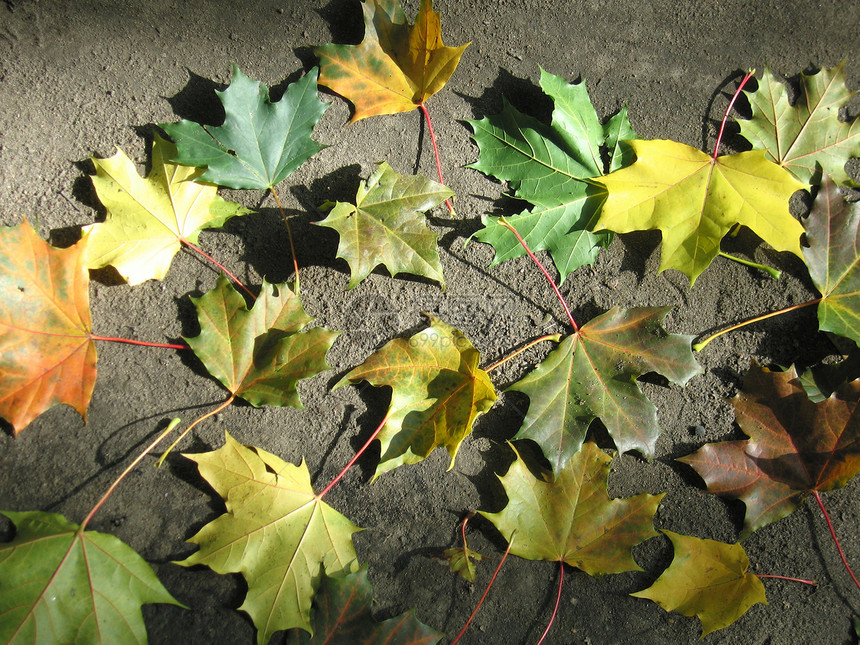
{"x":60,"y":585}
{"x":592,"y":374}
{"x":260,"y":142}
{"x":47,"y":356}
{"x":397,"y":66}
{"x":694,"y":200}
{"x":833,"y":254}
{"x":276,"y":532}
{"x":549,"y":166}
{"x":572,"y":519}
{"x":708,"y":579}
{"x":795,"y":446}
{"x":341,"y":615}
{"x":148,"y":219}
{"x":386,"y":226}
{"x":259,"y":354}
{"x":808,"y":136}
{"x":438,"y":391}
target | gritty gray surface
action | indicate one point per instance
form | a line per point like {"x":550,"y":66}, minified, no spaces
{"x":79,"y":79}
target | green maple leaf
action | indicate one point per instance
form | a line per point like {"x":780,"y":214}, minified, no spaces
{"x":708,"y":579}
{"x":438,"y":391}
{"x":61,"y":585}
{"x":460,"y":560}
{"x":550,"y":167}
{"x":808,"y":134}
{"x":260,"y":142}
{"x":795,"y":446}
{"x":572,"y":519}
{"x":47,"y":355}
{"x":259,"y":354}
{"x":833,"y":233}
{"x":276,"y":532}
{"x":386,"y":226}
{"x":592,"y":374}
{"x":396,"y":67}
{"x":341,"y":615}
{"x":148,"y":219}
{"x":695,"y":200}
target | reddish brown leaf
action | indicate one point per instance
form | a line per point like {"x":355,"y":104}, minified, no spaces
{"x":46,"y":353}
{"x":795,"y":447}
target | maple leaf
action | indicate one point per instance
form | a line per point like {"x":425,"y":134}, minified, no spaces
{"x":341,"y":615}
{"x":260,"y":142}
{"x":460,"y":560}
{"x":259,"y":354}
{"x":276,"y":532}
{"x":808,"y":134}
{"x":61,"y":585}
{"x":833,"y":234}
{"x":572,"y":519}
{"x":592,"y":374}
{"x":47,"y":356}
{"x":695,"y":200}
{"x":386,"y":226}
{"x":397,"y":66}
{"x":148,"y":219}
{"x":795,"y":446}
{"x":438,"y":391}
{"x":549,"y":167}
{"x":708,"y":579}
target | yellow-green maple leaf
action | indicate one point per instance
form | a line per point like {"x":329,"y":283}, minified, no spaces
{"x":276,"y":532}
{"x":695,"y":200}
{"x":396,"y":67}
{"x":708,"y":579}
{"x":148,"y":219}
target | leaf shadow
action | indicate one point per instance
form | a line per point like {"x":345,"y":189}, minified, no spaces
{"x":732,"y":141}
{"x":521,"y":93}
{"x":197,"y":100}
{"x":345,"y":20}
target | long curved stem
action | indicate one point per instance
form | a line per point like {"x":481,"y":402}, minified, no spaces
{"x":436,"y":152}
{"x":806,"y":582}
{"x":192,"y":426}
{"x":130,"y":467}
{"x":552,"y":283}
{"x":700,"y":346}
{"x":773,"y":273}
{"x":729,"y":109}
{"x":553,"y":337}
{"x":557,"y":600}
{"x":197,"y":249}
{"x":355,"y":458}
{"x":486,"y":591}
{"x":835,"y":539}
{"x":128,"y":341}
{"x":290,"y":236}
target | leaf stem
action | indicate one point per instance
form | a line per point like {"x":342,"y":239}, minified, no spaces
{"x":436,"y":152}
{"x":729,"y":109}
{"x":553,"y":337}
{"x":773,"y":273}
{"x":197,"y":249}
{"x":113,"y":339}
{"x":700,"y":346}
{"x":806,"y":582}
{"x":355,"y":457}
{"x":552,"y":283}
{"x":173,"y":423}
{"x":835,"y":539}
{"x":191,"y":427}
{"x":557,"y":600}
{"x":486,"y":591}
{"x":290,"y":236}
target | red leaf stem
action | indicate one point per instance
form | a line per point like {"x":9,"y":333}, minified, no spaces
{"x":355,"y":458}
{"x":835,"y":540}
{"x":436,"y":152}
{"x":806,"y":582}
{"x":113,"y":339}
{"x":729,"y":109}
{"x":197,"y":249}
{"x":557,"y":600}
{"x":552,"y":283}
{"x":486,"y":591}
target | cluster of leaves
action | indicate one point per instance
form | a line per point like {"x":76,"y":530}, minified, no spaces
{"x":584,"y":179}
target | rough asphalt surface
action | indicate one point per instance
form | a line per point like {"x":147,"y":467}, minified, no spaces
{"x":80,"y":79}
